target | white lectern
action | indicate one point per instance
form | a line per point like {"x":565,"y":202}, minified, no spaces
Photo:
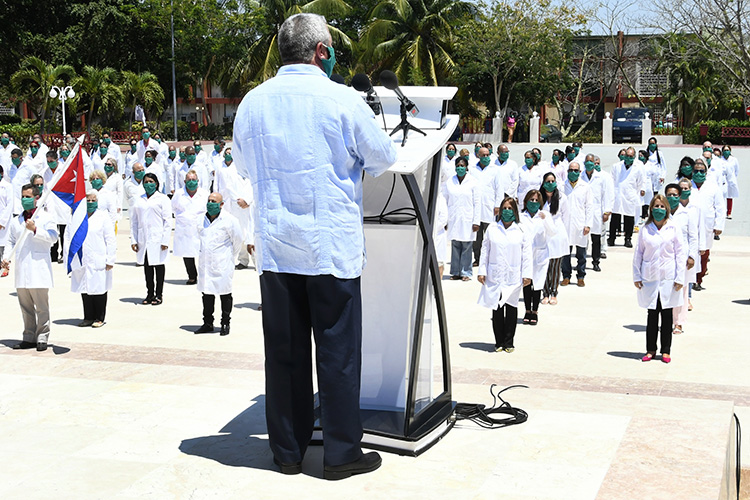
{"x":406,"y":378}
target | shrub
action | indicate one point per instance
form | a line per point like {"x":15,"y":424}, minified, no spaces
{"x":692,"y":134}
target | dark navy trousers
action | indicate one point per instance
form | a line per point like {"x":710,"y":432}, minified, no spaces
{"x":331,"y":308}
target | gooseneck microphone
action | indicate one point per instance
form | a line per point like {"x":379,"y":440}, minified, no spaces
{"x":389,"y":80}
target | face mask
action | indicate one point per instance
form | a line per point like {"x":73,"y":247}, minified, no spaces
{"x":149,"y":187}
{"x":450,"y":153}
{"x":34,"y":151}
{"x":528,"y":161}
{"x":550,"y":186}
{"x":642,"y":159}
{"x":158,"y":139}
{"x":91,"y":206}
{"x":183,"y":156}
{"x":532,"y":206}
{"x":699,"y":176}
{"x":95,"y":146}
{"x":658,"y":214}
{"x":27,"y":203}
{"x":628,"y":160}
{"x":466,"y":157}
{"x":622,"y":157}
{"x":149,"y":161}
{"x":213,"y":208}
{"x":673,"y":201}
{"x":652,"y":147}
{"x":686,"y":170}
{"x":65,"y":153}
{"x":16,"y":161}
{"x":461,"y":171}
{"x":589,"y":165}
{"x":685,"y":194}
{"x":41,"y":187}
{"x":726,"y":153}
{"x":476,"y":150}
{"x":538,"y":156}
{"x":217,"y":148}
{"x":107,"y":141}
{"x":507,"y":215}
{"x":329,"y":63}
{"x":706,"y":148}
{"x":198,"y":148}
{"x":555,"y":158}
{"x":52,"y":164}
{"x":573,"y":175}
{"x":4,"y":141}
{"x":598,"y":167}
{"x":490,"y":150}
{"x":577,"y":150}
{"x":485,"y":160}
{"x":172,"y":154}
{"x":504,"y":156}
{"x":133,"y":148}
{"x":190,"y":159}
{"x":191,"y":185}
{"x":103,"y":151}
{"x":139,"y":175}
{"x":109,"y":169}
{"x":146,"y":135}
{"x":227,"y":159}
{"x":571,"y":156}
{"x":707,"y":160}
{"x":97,"y":184}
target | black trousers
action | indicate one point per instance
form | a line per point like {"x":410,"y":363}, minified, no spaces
{"x":192,"y":272}
{"x":652,"y":328}
{"x":208,"y":308}
{"x":94,"y":306}
{"x":153,"y":289}
{"x":614,"y":225}
{"x":531,"y":297}
{"x":330,"y":307}
{"x":478,"y":240}
{"x":504,"y":325}
{"x":57,"y":248}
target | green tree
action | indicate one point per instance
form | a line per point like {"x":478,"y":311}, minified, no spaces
{"x":414,"y":38}
{"x":33,"y":81}
{"x":99,"y":92}
{"x":142,"y":88}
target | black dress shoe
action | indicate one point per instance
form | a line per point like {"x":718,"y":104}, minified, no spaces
{"x":25,"y":345}
{"x":628,"y":243}
{"x":288,"y":469}
{"x":717,"y":237}
{"x":611,"y":243}
{"x":603,"y":256}
{"x":596,"y":267}
{"x":224,"y":330}
{"x":205,"y":329}
{"x":191,"y":282}
{"x":697,"y":287}
{"x":86,"y":322}
{"x":41,"y":346}
{"x":366,"y":463}
{"x":240,"y":266}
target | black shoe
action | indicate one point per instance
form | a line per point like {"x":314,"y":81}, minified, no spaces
{"x":205,"y":329}
{"x":716,"y":237}
{"x":191,"y":282}
{"x":86,"y":322}
{"x":475,"y":263}
{"x":366,"y":463}
{"x":41,"y":346}
{"x":24,"y":345}
{"x":697,"y":287}
{"x":288,"y":469}
{"x":240,"y":266}
{"x":628,"y":243}
{"x":596,"y":267}
{"x":224,"y":330}
{"x":603,"y":256}
{"x":611,"y":242}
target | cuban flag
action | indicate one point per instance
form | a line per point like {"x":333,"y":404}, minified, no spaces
{"x":71,"y":188}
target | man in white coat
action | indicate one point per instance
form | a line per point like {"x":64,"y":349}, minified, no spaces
{"x":5,"y":149}
{"x":24,"y":172}
{"x":6,"y":213}
{"x":707,"y":195}
{"x":630,"y":184}
{"x":579,"y":222}
{"x":508,"y":170}
{"x":194,"y":162}
{"x":134,"y":186}
{"x":602,"y":201}
{"x":147,"y":143}
{"x":220,"y":241}
{"x":131,"y":158}
{"x":189,"y":207}
{"x":491,"y":193}
{"x":33,"y":269}
{"x":237,"y":194}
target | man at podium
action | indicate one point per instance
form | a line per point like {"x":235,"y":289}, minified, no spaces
{"x":304,"y":142}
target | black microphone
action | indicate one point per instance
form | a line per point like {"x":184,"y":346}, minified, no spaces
{"x":338,"y":78}
{"x":362,"y":83}
{"x":390,"y":81}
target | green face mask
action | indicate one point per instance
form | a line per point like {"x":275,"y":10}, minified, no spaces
{"x":158,"y":139}
{"x":598,"y":167}
{"x":532,"y":206}
{"x":5,"y":141}
{"x":538,"y":156}
{"x":34,"y":151}
{"x":183,"y":156}
{"x":589,"y":165}
{"x":573,"y":175}
{"x":466,"y":158}
{"x":149,"y":161}
{"x":490,"y":150}
{"x":172,"y":155}
{"x":622,"y":157}
{"x":103,"y":151}
{"x":504,"y":156}
{"x":686,"y":170}
{"x":227,"y":159}
{"x":190,"y":159}
{"x":217,"y":148}
{"x":685,"y":194}
{"x":628,"y":161}
{"x":450,"y":153}
{"x":550,"y":186}
{"x":461,"y":171}
{"x":707,"y":160}
{"x":484,"y":161}
{"x":107,"y":141}
{"x":146,"y":135}
{"x":577,"y":150}
{"x":198,"y":148}
{"x":507,"y":215}
{"x":41,"y":187}
{"x":97,"y":184}
{"x":329,"y":63}
{"x":659,"y":214}
{"x":706,"y":148}
{"x":139,"y":175}
{"x":91,"y":206}
{"x":699,"y":176}
{"x":571,"y":156}
{"x":213,"y":208}
{"x":528,"y":161}
{"x":642,"y":159}
{"x":191,"y":185}
{"x":149,"y":187}
{"x":476,"y":150}
{"x":16,"y":161}
{"x":133,"y":148}
{"x":726,"y":153}
{"x":27,"y":203}
{"x":652,"y":147}
{"x":555,"y":158}
{"x":673,"y":201}
{"x":52,"y":164}
{"x":109,"y":169}
{"x":64,"y":153}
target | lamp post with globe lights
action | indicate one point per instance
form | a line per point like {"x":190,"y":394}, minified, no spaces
{"x":62,"y":94}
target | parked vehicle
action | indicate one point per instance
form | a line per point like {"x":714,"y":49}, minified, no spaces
{"x":627,"y":125}
{"x":551,"y":134}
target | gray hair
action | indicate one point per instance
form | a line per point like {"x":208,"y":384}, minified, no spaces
{"x":299,"y":36}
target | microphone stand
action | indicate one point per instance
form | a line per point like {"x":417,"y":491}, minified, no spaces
{"x":405,"y":126}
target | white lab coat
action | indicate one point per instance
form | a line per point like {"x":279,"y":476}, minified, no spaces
{"x":580,"y":212}
{"x":508,"y":176}
{"x":131,"y":159}
{"x":133,"y":190}
{"x":99,"y":249}
{"x":157,"y":169}
{"x":528,"y":179}
{"x":220,"y":242}
{"x":505,"y":261}
{"x":32,"y":264}
{"x":141,"y":149}
{"x":658,"y":170}
{"x":713,"y":208}
{"x":151,"y":228}
{"x":9,"y":170}
{"x":732,"y":167}
{"x":491,"y":190}
{"x":23,"y":177}
{"x":106,"y":204}
{"x":6,"y":209}
{"x":601,"y":198}
{"x":659,"y":262}
{"x":232,"y":188}
{"x":540,"y":231}
{"x":463,"y":200}
{"x":114,"y":186}
{"x":558,"y":244}
{"x":448,"y":168}
{"x":723,"y":174}
{"x":687,"y":219}
{"x":439,"y":232}
{"x":629,"y":182}
{"x":188,"y":211}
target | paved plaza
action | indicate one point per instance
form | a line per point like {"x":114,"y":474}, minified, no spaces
{"x":144,"y":408}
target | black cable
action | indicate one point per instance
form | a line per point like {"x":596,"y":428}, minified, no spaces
{"x":481,"y":415}
{"x":738,"y":445}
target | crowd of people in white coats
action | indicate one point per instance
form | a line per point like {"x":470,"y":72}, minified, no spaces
{"x":202,"y":191}
{"x":521,"y":226}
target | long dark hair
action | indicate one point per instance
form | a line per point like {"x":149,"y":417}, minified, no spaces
{"x":658,"y":155}
{"x":554,"y":198}
{"x":685,"y":160}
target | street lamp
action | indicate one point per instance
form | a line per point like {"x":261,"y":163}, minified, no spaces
{"x":64,"y":93}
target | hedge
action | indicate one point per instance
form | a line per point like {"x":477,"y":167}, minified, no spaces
{"x":692,"y":134}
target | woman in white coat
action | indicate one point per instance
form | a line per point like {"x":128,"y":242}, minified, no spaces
{"x":732,"y":166}
{"x":529,"y":175}
{"x":189,"y":208}
{"x":92,"y":278}
{"x":539,"y":227}
{"x":447,"y":169}
{"x":150,"y":231}
{"x":659,"y":274}
{"x":505,"y":267}
{"x":440,"y":232}
{"x":6,"y":212}
{"x":221,"y":239}
{"x":105,"y":199}
{"x":462,"y":193}
{"x":556,"y":205}
{"x":113,"y":184}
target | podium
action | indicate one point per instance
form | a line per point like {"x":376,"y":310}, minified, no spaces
{"x":406,"y":401}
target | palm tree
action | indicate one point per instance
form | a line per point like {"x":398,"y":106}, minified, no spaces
{"x":413,"y":38}
{"x":35,"y":78}
{"x":262,"y":58}
{"x":142,"y":88}
{"x":100,"y":90}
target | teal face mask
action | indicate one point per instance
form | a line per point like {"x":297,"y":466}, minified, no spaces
{"x":555,"y":158}
{"x":52,"y":165}
{"x":574,"y":175}
{"x":686,"y":170}
{"x":577,"y":150}
{"x":191,"y":185}
{"x":476,"y":150}
{"x":528,"y":161}
{"x":685,"y":194}
{"x":34,"y":151}
{"x":659,"y":214}
{"x":538,"y":156}
{"x":103,"y":150}
{"x":329,"y":63}
{"x":699,"y":176}
{"x":484,"y":161}
{"x":172,"y":155}
{"x":571,"y":156}
{"x":64,"y":153}
{"x":16,"y":161}
{"x":726,"y":153}
{"x":139,"y":175}
{"x":708,"y":160}
{"x":183,"y":156}
{"x":107,"y":141}
{"x":27,"y":203}
{"x":450,"y":153}
{"x":109,"y":169}
{"x":504,"y":156}
{"x":217,"y":148}
{"x":466,"y":158}
{"x":461,"y":171}
{"x":673,"y":201}
{"x":91,"y":206}
{"x":507,"y":215}
{"x":589,"y":165}
{"x":190,"y":159}
{"x":227,"y":159}
{"x":213,"y":208}
{"x":490,"y":150}
{"x":642,"y":159}
{"x":146,"y":135}
{"x":149,"y":187}
{"x":628,"y":160}
{"x":706,"y":148}
{"x":4,"y":141}
{"x":532,"y":206}
{"x":622,"y":157}
{"x":550,"y":186}
{"x":133,"y":148}
{"x":198,"y":148}
{"x":652,"y":147}
{"x":598,"y":167}
{"x":97,"y":184}
{"x":149,"y":161}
